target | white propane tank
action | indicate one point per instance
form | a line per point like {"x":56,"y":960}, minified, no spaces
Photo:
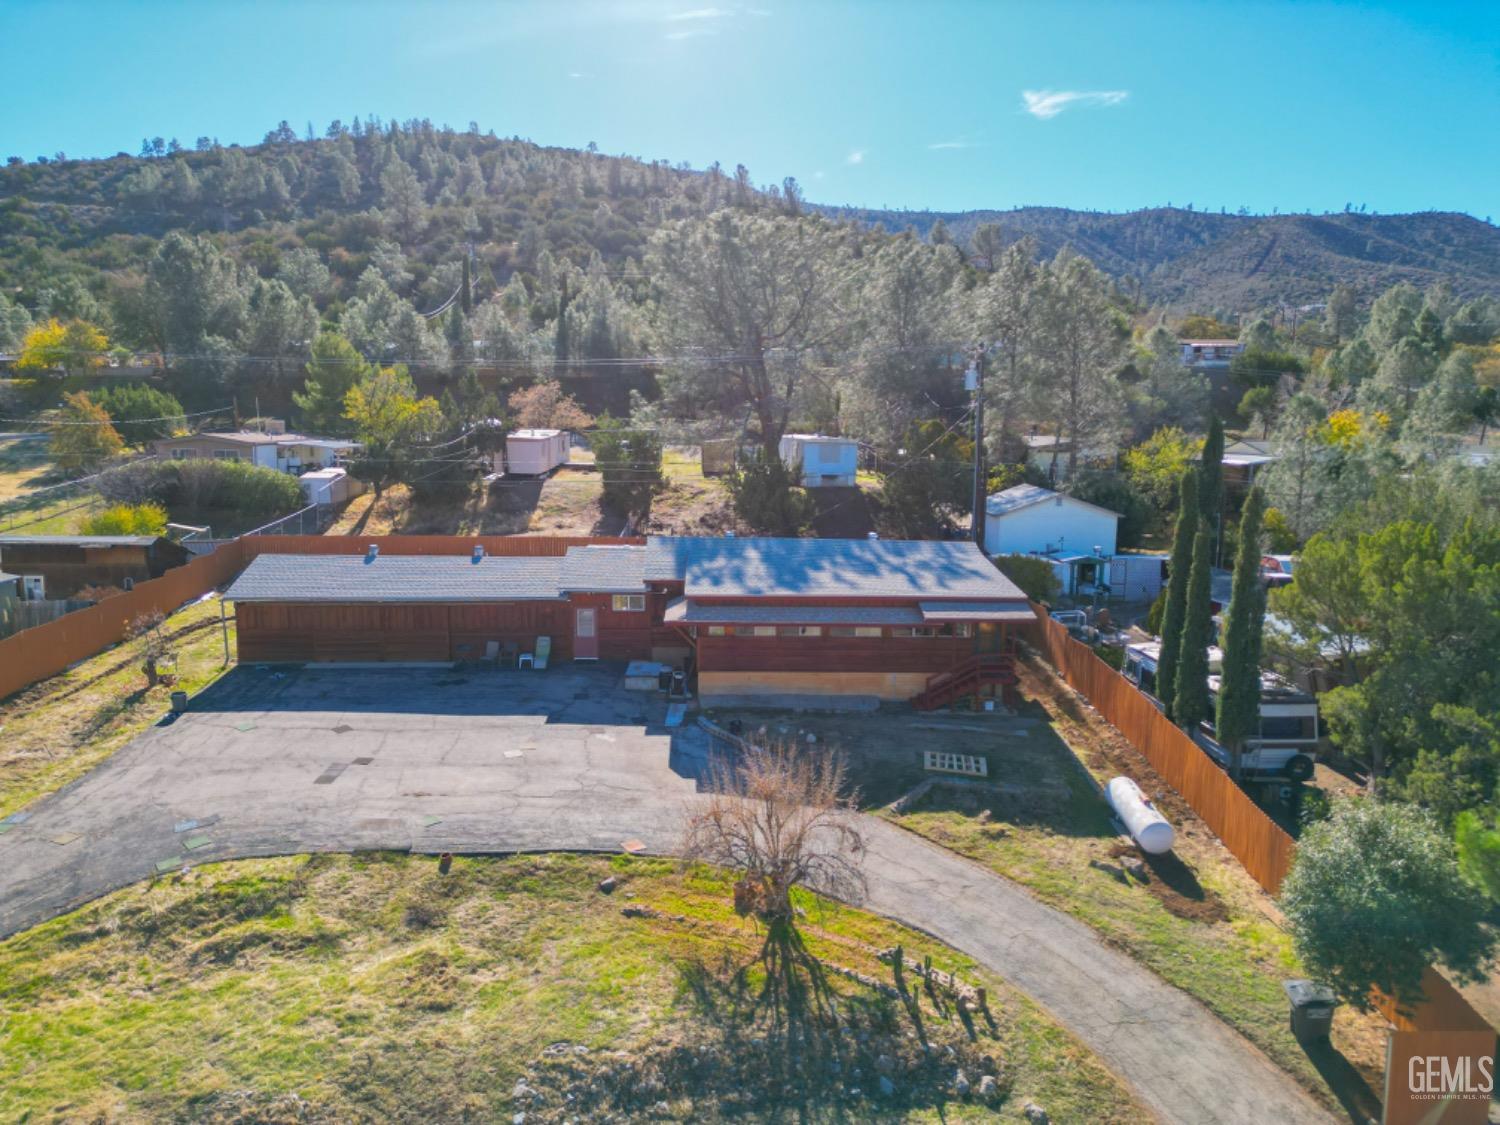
{"x":1147,"y":827}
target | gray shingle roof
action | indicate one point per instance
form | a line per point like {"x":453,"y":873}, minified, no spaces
{"x":396,"y":578}
{"x":607,"y":570}
{"x":826,"y":568}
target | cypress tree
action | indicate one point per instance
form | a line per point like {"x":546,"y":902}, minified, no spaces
{"x":1211,"y":483}
{"x":1175,"y":610}
{"x":466,"y":296}
{"x":1190,"y":698}
{"x":1239,"y":686}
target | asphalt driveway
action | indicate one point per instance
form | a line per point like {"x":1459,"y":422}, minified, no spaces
{"x":269,"y":763}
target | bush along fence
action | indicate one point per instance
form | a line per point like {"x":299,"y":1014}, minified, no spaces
{"x":35,"y":654}
{"x":1258,"y":842}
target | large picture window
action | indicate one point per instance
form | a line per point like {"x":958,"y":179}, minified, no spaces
{"x":799,"y":630}
{"x":629,"y":603}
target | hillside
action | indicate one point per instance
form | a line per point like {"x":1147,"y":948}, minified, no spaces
{"x":75,"y":229}
{"x":1201,"y":260}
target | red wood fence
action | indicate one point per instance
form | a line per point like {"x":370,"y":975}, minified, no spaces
{"x":1258,"y":842}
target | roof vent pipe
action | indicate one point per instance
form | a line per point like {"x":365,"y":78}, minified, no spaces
{"x":729,"y":535}
{"x":872,"y":535}
{"x":478,"y":551}
{"x":371,"y":552}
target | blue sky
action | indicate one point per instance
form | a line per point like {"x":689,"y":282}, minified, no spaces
{"x":940,"y":105}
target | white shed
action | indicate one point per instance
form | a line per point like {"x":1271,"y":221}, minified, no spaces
{"x":329,"y":486}
{"x":535,"y":453}
{"x":1029,"y":519}
{"x":822,"y":462}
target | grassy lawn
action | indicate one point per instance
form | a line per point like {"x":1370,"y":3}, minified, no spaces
{"x":372,"y":988}
{"x":56,"y":730}
{"x":1199,"y":922}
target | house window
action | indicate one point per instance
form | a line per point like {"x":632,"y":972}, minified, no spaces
{"x":716,"y":630}
{"x":955,"y":629}
{"x":182,"y":454}
{"x":855,"y":631}
{"x":629,"y":603}
{"x":226,"y":455}
{"x":914,"y":631}
{"x":799,"y":630}
{"x":754,"y":630}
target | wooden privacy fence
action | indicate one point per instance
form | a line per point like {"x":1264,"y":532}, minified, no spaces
{"x":35,"y":654}
{"x":1258,"y":842}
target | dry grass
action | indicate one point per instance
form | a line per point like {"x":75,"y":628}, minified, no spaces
{"x":57,"y":730}
{"x":25,"y":464}
{"x":371,"y":988}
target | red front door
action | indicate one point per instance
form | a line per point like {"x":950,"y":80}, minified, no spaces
{"x":585,"y":636}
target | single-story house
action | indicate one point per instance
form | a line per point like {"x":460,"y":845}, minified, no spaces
{"x":10,"y":587}
{"x":535,"y":453}
{"x":1210,"y":353}
{"x":889,"y":619}
{"x":1050,"y":454}
{"x":1031,"y":520}
{"x":1244,"y":460}
{"x":272,"y":448}
{"x":821,"y":461}
{"x":58,"y":566}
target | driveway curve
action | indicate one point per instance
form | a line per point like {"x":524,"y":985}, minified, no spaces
{"x":271,"y":763}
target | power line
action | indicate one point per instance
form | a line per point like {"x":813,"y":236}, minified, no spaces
{"x":49,"y":424}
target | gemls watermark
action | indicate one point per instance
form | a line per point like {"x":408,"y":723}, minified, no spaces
{"x":1439,"y":1077}
{"x":1443,"y":1077}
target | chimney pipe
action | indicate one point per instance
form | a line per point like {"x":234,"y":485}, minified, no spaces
{"x":372,"y":551}
{"x":478,"y":552}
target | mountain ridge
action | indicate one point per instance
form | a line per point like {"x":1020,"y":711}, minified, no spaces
{"x":1204,"y":259}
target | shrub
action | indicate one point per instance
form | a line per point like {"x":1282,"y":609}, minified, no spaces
{"x":1034,"y":575}
{"x":141,"y":413}
{"x":766,"y":496}
{"x":630,"y":463}
{"x":1280,"y":537}
{"x":1375,"y":895}
{"x":199,"y":485}
{"x":127,"y":519}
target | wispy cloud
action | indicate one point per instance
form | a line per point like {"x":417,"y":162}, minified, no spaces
{"x":959,"y":143}
{"x":855,"y":157}
{"x":576,"y":74}
{"x":1049,"y":103}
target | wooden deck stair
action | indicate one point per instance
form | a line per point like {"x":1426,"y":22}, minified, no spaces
{"x":980,"y":671}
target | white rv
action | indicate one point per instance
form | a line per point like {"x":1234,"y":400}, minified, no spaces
{"x":535,"y":453}
{"x":1287,"y":741}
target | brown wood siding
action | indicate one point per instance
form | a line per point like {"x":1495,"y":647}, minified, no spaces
{"x":623,"y":634}
{"x":66,"y":569}
{"x":831,"y":654}
{"x":472,"y":627}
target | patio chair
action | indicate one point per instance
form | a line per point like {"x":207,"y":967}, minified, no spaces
{"x":543,"y":651}
{"x":491,"y":651}
{"x":510,"y":655}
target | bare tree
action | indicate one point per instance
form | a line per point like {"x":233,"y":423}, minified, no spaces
{"x":781,"y":817}
{"x":155,"y":649}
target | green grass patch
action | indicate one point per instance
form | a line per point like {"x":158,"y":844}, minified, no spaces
{"x":370,"y":988}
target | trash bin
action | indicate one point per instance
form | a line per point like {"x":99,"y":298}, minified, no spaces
{"x":664,"y":680}
{"x":179,"y":702}
{"x":1312,"y":1009}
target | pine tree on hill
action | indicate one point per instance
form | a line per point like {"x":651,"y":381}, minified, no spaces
{"x":1239,"y":684}
{"x":1190,"y":699}
{"x":1177,"y":582}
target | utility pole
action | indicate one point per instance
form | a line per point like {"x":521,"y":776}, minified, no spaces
{"x":974,"y":380}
